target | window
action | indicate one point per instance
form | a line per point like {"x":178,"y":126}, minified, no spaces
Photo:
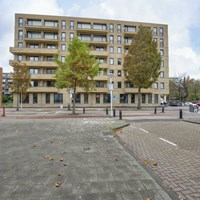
{"x":50,"y":58}
{"x":99,"y":84}
{"x":154,"y":30}
{"x":85,"y":98}
{"x":149,"y":98}
{"x":50,"y":71}
{"x":58,"y":98}
{"x":162,"y":85}
{"x":118,"y":28}
{"x":63,"y":25}
{"x":161,"y":32}
{"x":72,"y":25}
{"x":52,"y":36}
{"x":51,"y":23}
{"x":119,"y":73}
{"x":111,"y":39}
{"x":132,"y":98}
{"x":130,"y":28}
{"x":162,"y":63}
{"x":50,"y":83}
{"x":155,"y":98}
{"x":156,"y":40}
{"x":156,"y":85}
{"x":20,"y":22}
{"x":34,"y":58}
{"x":111,"y":28}
{"x":85,"y":25}
{"x":34,"y":83}
{"x":78,"y":98}
{"x":20,"y":58}
{"x":99,"y":26}
{"x":119,"y":50}
{"x":20,"y":35}
{"x":162,"y":52}
{"x":63,"y":37}
{"x":99,"y":49}
{"x":20,"y":44}
{"x":119,"y":84}
{"x":47,"y":98}
{"x":143,"y":98}
{"x":129,"y":85}
{"x":161,"y":42}
{"x":35,"y":98}
{"x":111,"y":61}
{"x":97,"y":98}
{"x":33,"y":71}
{"x":63,"y":47}
{"x":51,"y":46}
{"x":106,"y":98}
{"x":112,"y":71}
{"x":111,"y":49}
{"x":34,"y":46}
{"x":161,"y":74}
{"x":71,"y":36}
{"x":119,"y":61}
{"x":25,"y":98}
{"x":63,"y":59}
{"x":119,"y":39}
{"x":123,"y":98}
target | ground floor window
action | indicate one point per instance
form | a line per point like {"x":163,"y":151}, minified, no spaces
{"x":149,"y":98}
{"x":35,"y":98}
{"x":85,"y":98}
{"x":97,"y":98}
{"x":58,"y":98}
{"x":132,"y":98}
{"x":78,"y":98}
{"x":155,"y":98}
{"x":24,"y":98}
{"x":47,"y":98}
{"x":143,"y":98}
{"x":123,"y":98}
{"x":106,"y":98}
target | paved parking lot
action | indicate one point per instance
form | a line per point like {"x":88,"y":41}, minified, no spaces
{"x":70,"y":159}
{"x":174,"y":146}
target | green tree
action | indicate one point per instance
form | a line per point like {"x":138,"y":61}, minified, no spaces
{"x":142,"y":62}
{"x":78,"y":70}
{"x":21,"y":80}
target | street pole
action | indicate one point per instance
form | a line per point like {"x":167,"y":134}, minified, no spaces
{"x":111,"y":94}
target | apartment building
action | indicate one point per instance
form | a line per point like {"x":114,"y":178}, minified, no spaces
{"x":38,"y":38}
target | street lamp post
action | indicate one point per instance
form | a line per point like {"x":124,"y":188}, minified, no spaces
{"x":111,"y":95}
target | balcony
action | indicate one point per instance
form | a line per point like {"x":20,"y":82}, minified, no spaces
{"x":100,"y":53}
{"x":35,"y":51}
{"x":48,"y":64}
{"x":50,"y":40}
{"x":43,"y":89}
{"x":43,"y":76}
{"x":89,"y":28}
{"x":40,"y":27}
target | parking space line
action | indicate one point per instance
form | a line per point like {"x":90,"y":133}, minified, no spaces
{"x":168,"y":142}
{"x":144,"y":130}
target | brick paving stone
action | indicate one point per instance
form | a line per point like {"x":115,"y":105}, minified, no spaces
{"x":178,"y":165}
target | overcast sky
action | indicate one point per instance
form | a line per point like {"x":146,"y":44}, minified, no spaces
{"x":182,"y":17}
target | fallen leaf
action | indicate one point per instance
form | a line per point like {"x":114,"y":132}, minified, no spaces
{"x":154,"y":163}
{"x":62,"y":159}
{"x":148,"y":198}
{"x":58,"y":184}
{"x":145,"y":162}
{"x":48,"y":157}
{"x":59,"y":174}
{"x":65,"y":164}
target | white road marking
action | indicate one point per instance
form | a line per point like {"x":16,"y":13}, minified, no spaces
{"x":168,"y":142}
{"x":144,"y":130}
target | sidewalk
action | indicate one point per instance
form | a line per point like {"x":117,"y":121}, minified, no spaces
{"x":70,"y":159}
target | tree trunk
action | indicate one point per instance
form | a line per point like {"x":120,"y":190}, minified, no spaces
{"x":139,"y":96}
{"x":74,"y":99}
{"x":17,"y":109}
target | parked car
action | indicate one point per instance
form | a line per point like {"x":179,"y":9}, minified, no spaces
{"x":196,"y":104}
{"x":175,"y":103}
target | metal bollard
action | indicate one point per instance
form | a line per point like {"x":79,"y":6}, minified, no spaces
{"x":120,"y":114}
{"x":69,"y":107}
{"x":106,"y":111}
{"x":113,"y":112}
{"x":155,"y":110}
{"x":83,"y":110}
{"x":163,"y":109}
{"x":4,"y":112}
{"x":180,"y":114}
